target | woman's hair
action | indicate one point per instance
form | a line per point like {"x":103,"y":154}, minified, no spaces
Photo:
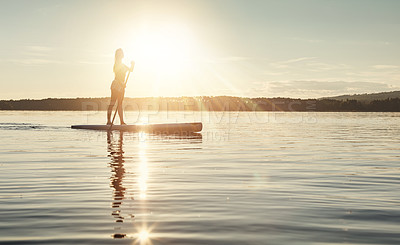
{"x":119,"y":55}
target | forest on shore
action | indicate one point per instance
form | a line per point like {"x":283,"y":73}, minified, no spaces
{"x":206,"y":103}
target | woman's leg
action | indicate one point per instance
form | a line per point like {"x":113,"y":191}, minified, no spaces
{"x":120,"y":108}
{"x":111,"y":106}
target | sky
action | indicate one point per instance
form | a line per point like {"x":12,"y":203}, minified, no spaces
{"x":249,"y":48}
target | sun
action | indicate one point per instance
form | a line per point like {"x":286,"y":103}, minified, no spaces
{"x":169,"y":56}
{"x":168,"y":49}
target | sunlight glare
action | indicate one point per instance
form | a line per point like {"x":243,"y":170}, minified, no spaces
{"x":143,"y":235}
{"x":143,"y":170}
{"x":166,"y":49}
{"x":168,"y":56}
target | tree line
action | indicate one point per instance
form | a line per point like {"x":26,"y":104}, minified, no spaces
{"x":206,"y":103}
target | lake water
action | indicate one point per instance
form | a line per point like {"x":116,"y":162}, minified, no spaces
{"x":248,"y":178}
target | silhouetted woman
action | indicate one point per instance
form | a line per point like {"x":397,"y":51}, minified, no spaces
{"x":118,"y":86}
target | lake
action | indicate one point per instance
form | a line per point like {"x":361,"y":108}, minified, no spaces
{"x":248,"y":178}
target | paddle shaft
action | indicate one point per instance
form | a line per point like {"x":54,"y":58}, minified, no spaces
{"x":116,"y":110}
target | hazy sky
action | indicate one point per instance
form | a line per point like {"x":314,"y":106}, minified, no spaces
{"x":254,"y":48}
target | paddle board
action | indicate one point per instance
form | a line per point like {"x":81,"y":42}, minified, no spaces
{"x":151,"y":128}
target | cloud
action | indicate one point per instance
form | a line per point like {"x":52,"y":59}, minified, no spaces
{"x":311,"y":64}
{"x":235,"y":58}
{"x":38,"y":48}
{"x":271,"y":73}
{"x":35,"y":55}
{"x":367,"y":43}
{"x":92,"y":62}
{"x":227,"y":59}
{"x":285,"y":64}
{"x":382,"y":67}
{"x":321,"y":66}
{"x":297,"y":60}
{"x":316,"y":89}
{"x":30,"y":61}
{"x":36,"y":51}
{"x":307,"y":40}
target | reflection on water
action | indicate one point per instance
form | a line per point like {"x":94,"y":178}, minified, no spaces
{"x":116,"y":153}
{"x":143,"y":169}
{"x":140,"y":231}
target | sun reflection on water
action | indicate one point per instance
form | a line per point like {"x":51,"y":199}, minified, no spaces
{"x":143,"y":168}
{"x":119,"y":178}
{"x":143,"y":232}
{"x":143,"y":236}
{"x":131,"y":221}
{"x":143,"y":175}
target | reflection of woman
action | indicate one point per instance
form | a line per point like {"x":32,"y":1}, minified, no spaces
{"x":118,"y":173}
{"x":118,"y":86}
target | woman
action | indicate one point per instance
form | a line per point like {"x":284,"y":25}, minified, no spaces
{"x":118,"y":86}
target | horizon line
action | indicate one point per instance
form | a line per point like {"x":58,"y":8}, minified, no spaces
{"x":197,"y":96}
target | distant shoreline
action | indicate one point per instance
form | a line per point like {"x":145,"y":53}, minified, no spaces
{"x":206,"y":103}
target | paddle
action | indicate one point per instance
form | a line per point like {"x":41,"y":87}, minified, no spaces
{"x":116,"y":110}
